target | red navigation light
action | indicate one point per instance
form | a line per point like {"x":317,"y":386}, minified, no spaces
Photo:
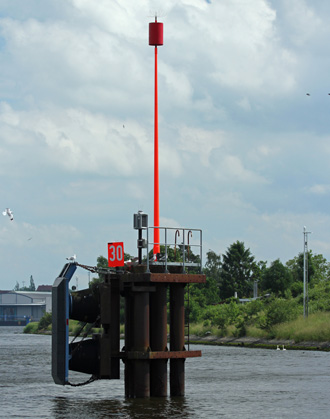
{"x":156,"y":33}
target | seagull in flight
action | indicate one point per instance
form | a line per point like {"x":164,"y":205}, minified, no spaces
{"x":72,"y":258}
{"x":8,"y":212}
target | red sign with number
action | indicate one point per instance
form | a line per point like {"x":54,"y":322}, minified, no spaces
{"x":116,"y":254}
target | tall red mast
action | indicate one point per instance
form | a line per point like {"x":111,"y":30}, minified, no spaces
{"x":155,"y":39}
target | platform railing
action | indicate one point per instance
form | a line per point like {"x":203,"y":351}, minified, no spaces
{"x":191,"y":239}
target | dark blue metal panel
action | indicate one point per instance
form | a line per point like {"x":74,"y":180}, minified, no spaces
{"x":60,"y":324}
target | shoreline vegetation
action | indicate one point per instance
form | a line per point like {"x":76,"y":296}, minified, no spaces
{"x":250,"y":342}
{"x":311,"y":333}
{"x":273,"y":316}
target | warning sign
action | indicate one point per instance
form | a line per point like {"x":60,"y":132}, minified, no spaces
{"x":116,"y":254}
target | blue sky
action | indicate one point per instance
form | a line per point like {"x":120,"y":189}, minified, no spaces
{"x":244,"y":152}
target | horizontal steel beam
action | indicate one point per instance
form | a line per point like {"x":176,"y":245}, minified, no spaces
{"x":159,"y":354}
{"x":164,"y":278}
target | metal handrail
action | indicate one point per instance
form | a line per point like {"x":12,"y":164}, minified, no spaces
{"x":167,"y":244}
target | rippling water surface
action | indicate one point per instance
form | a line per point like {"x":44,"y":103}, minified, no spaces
{"x":225,"y":382}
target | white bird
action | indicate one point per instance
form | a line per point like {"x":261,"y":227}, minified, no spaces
{"x":131,"y":262}
{"x":72,"y":258}
{"x":278,"y":348}
{"x":8,"y":212}
{"x":283,"y":348}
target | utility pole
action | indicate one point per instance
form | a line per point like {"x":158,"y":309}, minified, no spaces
{"x":305,"y":233}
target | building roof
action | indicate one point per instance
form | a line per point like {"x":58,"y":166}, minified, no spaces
{"x":44,"y":288}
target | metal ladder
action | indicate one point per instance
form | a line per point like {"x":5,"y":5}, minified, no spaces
{"x":186,"y":314}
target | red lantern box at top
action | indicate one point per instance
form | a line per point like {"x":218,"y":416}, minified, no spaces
{"x":155,"y":33}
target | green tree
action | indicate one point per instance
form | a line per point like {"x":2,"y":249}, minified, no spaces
{"x":45,"y":321}
{"x":212,"y":267}
{"x":318,"y":297}
{"x":296,"y":265}
{"x":277,"y":278}
{"x":238,"y":271}
{"x":259,"y":269}
{"x":32,"y":284}
{"x":102,"y":263}
{"x":321,"y":269}
{"x":278,"y":310}
{"x":212,"y":271}
{"x":175,"y":254}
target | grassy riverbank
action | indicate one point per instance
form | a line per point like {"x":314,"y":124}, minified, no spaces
{"x":45,"y":327}
{"x":302,"y":333}
{"x":314,"y":328}
{"x":251,"y":342}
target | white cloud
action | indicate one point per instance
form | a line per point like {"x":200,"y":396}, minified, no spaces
{"x":130,"y":21}
{"x":302,"y":20}
{"x":319,"y":189}
{"x":242,"y":151}
{"x":194,"y":140}
{"x":245,"y":104}
{"x":266,"y":150}
{"x":76,"y":140}
{"x":288,"y":226}
{"x":178,"y":86}
{"x":231,"y":169}
{"x":247,"y":37}
{"x":25,"y":235}
{"x":72,"y":64}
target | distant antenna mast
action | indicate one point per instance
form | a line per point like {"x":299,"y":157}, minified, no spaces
{"x":306,"y":271}
{"x":155,"y":39}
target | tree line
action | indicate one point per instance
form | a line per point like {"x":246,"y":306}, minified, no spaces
{"x":214,"y":308}
{"x":233,"y":276}
{"x":280,"y":290}
{"x":31,"y":287}
{"x":237,"y":271}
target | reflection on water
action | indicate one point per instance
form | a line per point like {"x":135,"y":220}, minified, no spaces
{"x":225,"y":382}
{"x":128,"y":408}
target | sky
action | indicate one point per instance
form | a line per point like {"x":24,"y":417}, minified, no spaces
{"x":243,"y":150}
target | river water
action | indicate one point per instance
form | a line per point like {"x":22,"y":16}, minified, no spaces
{"x":226,"y":382}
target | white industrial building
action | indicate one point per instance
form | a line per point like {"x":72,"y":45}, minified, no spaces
{"x":20,"y":307}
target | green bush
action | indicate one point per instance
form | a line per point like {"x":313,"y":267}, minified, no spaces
{"x":253,"y":308}
{"x":241,"y":327}
{"x":45,"y":321}
{"x":31,"y":328}
{"x":211,"y":314}
{"x":296,"y":289}
{"x":319,"y":297}
{"x":278,"y":311}
{"x":232,"y":311}
{"x":195,"y":312}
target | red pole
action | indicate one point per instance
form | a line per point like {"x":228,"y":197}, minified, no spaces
{"x":156,"y":166}
{"x":155,"y":39}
